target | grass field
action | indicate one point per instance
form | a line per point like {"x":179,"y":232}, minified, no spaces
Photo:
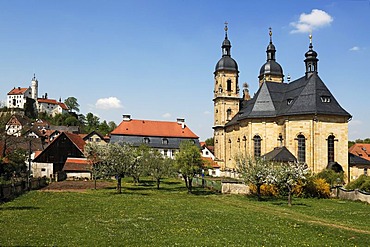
{"x":143,"y":216}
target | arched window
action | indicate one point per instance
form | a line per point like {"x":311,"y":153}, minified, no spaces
{"x":228,"y":114}
{"x":301,"y":148}
{"x":331,"y":148}
{"x":257,"y":146}
{"x":229,"y":85}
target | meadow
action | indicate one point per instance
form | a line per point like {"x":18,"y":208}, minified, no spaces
{"x":145,"y":216}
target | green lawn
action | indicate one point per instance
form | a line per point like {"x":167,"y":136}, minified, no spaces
{"x":143,"y":216}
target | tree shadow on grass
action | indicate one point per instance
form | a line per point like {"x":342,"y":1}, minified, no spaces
{"x":19,"y":208}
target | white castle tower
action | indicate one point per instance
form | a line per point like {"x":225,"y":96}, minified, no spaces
{"x":34,"y":88}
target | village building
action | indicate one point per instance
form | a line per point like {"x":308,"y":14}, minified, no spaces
{"x":359,"y":160}
{"x":164,"y":136}
{"x":300,"y":116}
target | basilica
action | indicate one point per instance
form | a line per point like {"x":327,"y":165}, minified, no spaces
{"x":300,"y":119}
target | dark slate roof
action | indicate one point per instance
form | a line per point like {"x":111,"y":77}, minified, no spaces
{"x":226,"y":63}
{"x":280,"y":154}
{"x":357,"y":160}
{"x":300,"y":97}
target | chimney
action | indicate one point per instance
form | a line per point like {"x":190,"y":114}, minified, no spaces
{"x":126,"y":117}
{"x":181,"y":121}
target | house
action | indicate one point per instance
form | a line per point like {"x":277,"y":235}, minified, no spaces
{"x":208,"y":160}
{"x":53,"y":158}
{"x":51,"y":106}
{"x":18,"y":97}
{"x":164,"y":136}
{"x":359,"y":159}
{"x":300,"y":115}
{"x":95,"y":137}
{"x":17,"y":125}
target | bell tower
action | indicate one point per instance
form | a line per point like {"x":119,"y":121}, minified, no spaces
{"x":226,"y":95}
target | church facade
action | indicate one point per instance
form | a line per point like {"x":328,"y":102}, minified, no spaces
{"x":301,"y":116}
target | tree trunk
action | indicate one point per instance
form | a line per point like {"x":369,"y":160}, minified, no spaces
{"x":190,"y":182}
{"x":158,"y":182}
{"x":119,"y":185}
{"x":95,"y":181}
{"x":289,"y":196}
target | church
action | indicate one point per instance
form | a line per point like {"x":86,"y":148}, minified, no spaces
{"x":301,"y":117}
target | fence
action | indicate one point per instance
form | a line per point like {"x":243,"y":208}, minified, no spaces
{"x":354,"y":195}
{"x":10,"y":191}
{"x":208,"y":183}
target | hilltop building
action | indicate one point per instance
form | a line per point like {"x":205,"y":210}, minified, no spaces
{"x":300,"y":117}
{"x":164,"y":136}
{"x":17,"y":98}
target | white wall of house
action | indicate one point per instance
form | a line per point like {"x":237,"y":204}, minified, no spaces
{"x":72,"y":175}
{"x":41,"y":169}
{"x":18,"y":100}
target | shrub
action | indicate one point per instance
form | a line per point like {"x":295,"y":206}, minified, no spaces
{"x":317,"y":188}
{"x":266,"y":190}
{"x":362,"y":183}
{"x":331,"y":177}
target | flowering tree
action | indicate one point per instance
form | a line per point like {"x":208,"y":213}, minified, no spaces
{"x":159,"y":166}
{"x":288,"y":175}
{"x":254,"y":171}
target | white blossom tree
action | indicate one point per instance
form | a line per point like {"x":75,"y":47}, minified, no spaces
{"x":254,"y":171}
{"x":287,"y":175}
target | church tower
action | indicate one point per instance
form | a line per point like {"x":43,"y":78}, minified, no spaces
{"x":226,"y":95}
{"x":271,"y":71}
{"x":34,"y":88}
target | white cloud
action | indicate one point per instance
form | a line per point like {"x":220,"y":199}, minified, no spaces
{"x":309,"y":22}
{"x":166,"y":115}
{"x":108,"y":103}
{"x":206,"y":113}
{"x":355,"y":48}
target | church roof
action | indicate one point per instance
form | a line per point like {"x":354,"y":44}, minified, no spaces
{"x":306,"y":95}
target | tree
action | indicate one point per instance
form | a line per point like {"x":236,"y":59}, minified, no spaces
{"x":141,"y":161}
{"x":116,"y":160}
{"x":188,"y":162}
{"x":159,"y":166}
{"x":71,"y":103}
{"x":254,"y":171}
{"x":91,"y":152}
{"x":92,"y":122}
{"x":288,"y":175}
{"x":209,"y":141}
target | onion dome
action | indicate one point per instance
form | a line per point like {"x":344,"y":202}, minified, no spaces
{"x":226,"y":62}
{"x":271,"y":67}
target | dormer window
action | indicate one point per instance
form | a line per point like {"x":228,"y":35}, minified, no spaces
{"x":325,"y":99}
{"x":289,"y":101}
{"x":146,"y":140}
{"x":165,"y":141}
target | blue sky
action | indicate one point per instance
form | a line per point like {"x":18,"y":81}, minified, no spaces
{"x":155,"y":59}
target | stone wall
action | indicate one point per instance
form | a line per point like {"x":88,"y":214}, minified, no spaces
{"x":234,"y":188}
{"x":353,"y":195}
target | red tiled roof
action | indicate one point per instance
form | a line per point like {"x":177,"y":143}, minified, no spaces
{"x":77,"y":140}
{"x":17,"y":91}
{"x":77,"y":164}
{"x":153,"y":128}
{"x":361,"y":149}
{"x":210,"y":162}
{"x":53,"y":102}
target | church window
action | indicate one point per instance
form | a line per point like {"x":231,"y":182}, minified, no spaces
{"x":257,"y":146}
{"x":330,"y":148}
{"x":228,"y":114}
{"x":301,"y":148}
{"x":229,"y":85}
